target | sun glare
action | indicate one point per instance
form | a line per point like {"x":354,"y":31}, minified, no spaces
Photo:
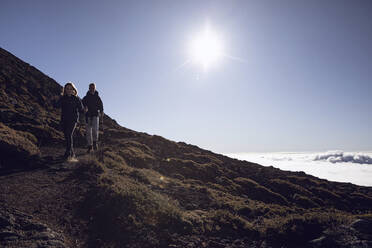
{"x":206,"y":48}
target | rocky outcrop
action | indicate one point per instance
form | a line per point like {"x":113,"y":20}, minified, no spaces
{"x":21,"y":230}
{"x":356,"y":235}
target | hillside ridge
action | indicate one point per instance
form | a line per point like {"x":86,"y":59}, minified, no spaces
{"x":148,"y":191}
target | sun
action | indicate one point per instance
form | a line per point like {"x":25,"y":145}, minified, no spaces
{"x":206,"y":48}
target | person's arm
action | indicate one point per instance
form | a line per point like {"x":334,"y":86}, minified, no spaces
{"x":84,"y":101}
{"x":80,"y":105}
{"x":57,"y":101}
{"x":80,"y":108}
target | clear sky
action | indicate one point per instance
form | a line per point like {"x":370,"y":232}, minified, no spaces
{"x":294,"y":75}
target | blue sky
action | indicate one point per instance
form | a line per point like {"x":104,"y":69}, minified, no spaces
{"x":302,"y":80}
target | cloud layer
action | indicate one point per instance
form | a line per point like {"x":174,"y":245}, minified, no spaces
{"x":339,"y":166}
{"x":340,"y":156}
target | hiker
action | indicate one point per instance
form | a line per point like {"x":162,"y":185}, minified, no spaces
{"x":71,"y":105}
{"x":94,"y":111}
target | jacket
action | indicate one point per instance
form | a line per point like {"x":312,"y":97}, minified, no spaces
{"x":94,"y":103}
{"x":70,"y":108}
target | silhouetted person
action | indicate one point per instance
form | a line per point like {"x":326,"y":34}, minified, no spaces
{"x":94,"y":111}
{"x":70,"y":105}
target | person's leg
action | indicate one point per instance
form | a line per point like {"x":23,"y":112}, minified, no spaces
{"x":69,"y":133}
{"x":95,"y":128}
{"x":67,"y":139}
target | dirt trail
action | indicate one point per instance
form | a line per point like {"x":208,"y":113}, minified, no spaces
{"x":47,"y":198}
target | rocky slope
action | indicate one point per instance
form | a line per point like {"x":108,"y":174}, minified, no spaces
{"x":143,"y":190}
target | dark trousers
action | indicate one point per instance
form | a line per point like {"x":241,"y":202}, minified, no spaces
{"x":68,"y":130}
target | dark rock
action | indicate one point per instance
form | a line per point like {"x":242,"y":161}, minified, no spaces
{"x":323,"y":241}
{"x":217,"y":244}
{"x":7,"y":234}
{"x":21,"y":230}
{"x":55,"y":243}
{"x":362,"y":226}
{"x":48,"y":235}
{"x":35,"y":227}
{"x":5,"y":221}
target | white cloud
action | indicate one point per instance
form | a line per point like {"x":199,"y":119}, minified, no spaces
{"x":336,"y":166}
{"x":340,"y":156}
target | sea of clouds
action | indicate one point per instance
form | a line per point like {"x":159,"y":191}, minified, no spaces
{"x":338,"y":166}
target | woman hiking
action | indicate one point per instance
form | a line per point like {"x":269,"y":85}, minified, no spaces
{"x":70,"y":105}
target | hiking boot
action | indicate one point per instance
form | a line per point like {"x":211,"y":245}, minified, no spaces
{"x":66,"y":155}
{"x":95,"y":147}
{"x":89,"y":149}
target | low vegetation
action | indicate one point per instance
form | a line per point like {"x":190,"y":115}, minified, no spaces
{"x":16,"y":146}
{"x":128,"y":202}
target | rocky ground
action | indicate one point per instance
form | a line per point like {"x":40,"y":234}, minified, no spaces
{"x":39,"y":210}
{"x":37,"y":206}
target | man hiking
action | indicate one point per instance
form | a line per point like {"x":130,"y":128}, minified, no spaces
{"x":94,"y":111}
